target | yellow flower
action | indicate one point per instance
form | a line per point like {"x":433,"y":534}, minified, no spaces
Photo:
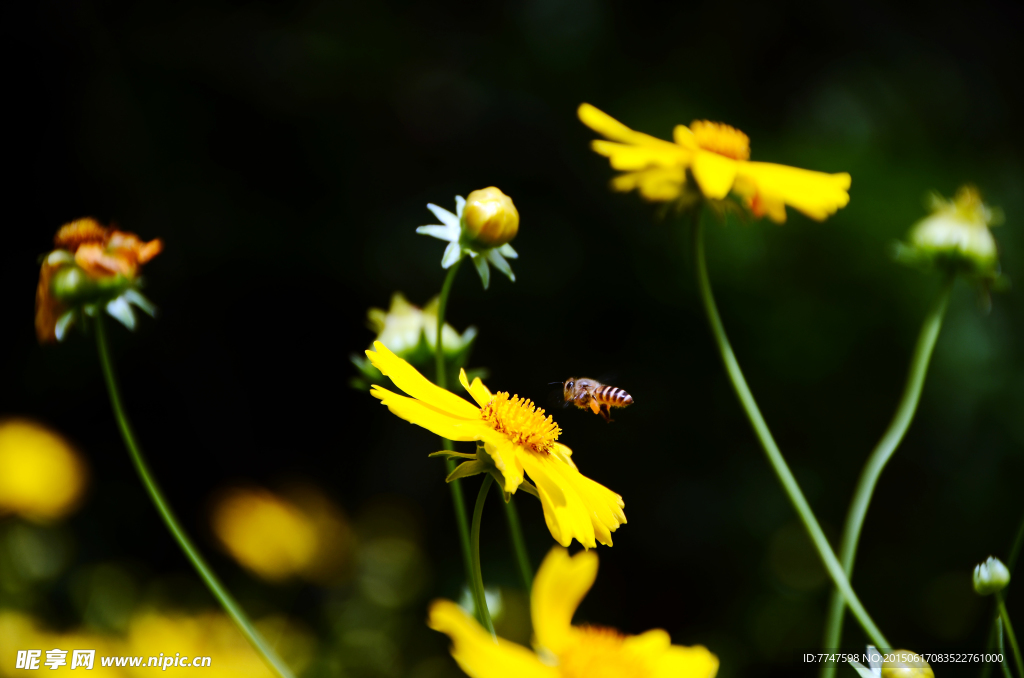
{"x":277,"y":538}
{"x":489,"y":218}
{"x":517,"y":438}
{"x":564,"y":650}
{"x":41,"y":475}
{"x":718,"y":158}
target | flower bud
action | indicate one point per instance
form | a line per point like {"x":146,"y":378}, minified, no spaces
{"x":489,"y":218}
{"x":990,"y":577}
{"x":958,"y":231}
{"x":906,"y":664}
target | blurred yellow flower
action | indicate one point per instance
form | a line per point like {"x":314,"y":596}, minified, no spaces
{"x":564,"y":650}
{"x":718,"y":157}
{"x":154,"y":634}
{"x":517,"y":438}
{"x":404,"y":326}
{"x":41,"y":474}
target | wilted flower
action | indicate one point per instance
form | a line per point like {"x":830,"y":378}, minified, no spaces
{"x":93,"y":267}
{"x":564,"y":650}
{"x":990,"y":577}
{"x":956,"y":235}
{"x":412,"y":332}
{"x":480,"y":228}
{"x":717,"y":157}
{"x":41,"y":474}
{"x":517,"y":438}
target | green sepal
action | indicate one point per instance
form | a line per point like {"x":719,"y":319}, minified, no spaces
{"x":450,"y":454}
{"x":467,"y":469}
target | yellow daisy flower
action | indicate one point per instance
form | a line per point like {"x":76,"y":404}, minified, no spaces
{"x":564,"y":650}
{"x":718,"y":157}
{"x":517,"y":438}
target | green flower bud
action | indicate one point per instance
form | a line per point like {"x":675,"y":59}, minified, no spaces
{"x":957,"y":234}
{"x":990,"y":577}
{"x":489,"y":218}
{"x":906,"y":664}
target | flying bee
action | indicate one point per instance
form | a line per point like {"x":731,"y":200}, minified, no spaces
{"x":599,"y":398}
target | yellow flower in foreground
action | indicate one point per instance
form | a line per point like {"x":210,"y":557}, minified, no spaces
{"x":517,"y":438}
{"x":41,"y":475}
{"x":568,"y":651}
{"x":718,"y":157}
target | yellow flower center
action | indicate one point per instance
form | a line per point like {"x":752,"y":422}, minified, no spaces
{"x":600,"y":653}
{"x":521,"y":421}
{"x":721,"y":139}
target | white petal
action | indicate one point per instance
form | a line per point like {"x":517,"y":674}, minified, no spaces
{"x":64,"y":323}
{"x":509,"y":253}
{"x":135,"y":297}
{"x":446,"y":217}
{"x":460,"y":204}
{"x":452,"y":253}
{"x":499,"y":263}
{"x":439,"y":232}
{"x":483,"y":269}
{"x":121,"y":311}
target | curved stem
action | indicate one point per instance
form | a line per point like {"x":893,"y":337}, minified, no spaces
{"x":1005,"y":616}
{"x":163,"y":508}
{"x":441,"y":379}
{"x":480,"y":597}
{"x":789,"y":484}
{"x":515,"y":532}
{"x":1002,"y":648}
{"x":879,"y":458}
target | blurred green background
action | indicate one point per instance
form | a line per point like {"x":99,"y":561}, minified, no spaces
{"x":286,"y":154}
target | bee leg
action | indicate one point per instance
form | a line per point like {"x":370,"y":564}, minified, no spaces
{"x":605,"y":414}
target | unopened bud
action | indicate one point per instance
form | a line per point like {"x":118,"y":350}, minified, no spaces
{"x":489,"y":218}
{"x":990,"y":577}
{"x":906,"y":664}
{"x":958,"y":230}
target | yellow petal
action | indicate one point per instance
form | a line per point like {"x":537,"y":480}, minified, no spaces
{"x":504,"y":453}
{"x":684,"y":137}
{"x":714,"y":173}
{"x":684,"y":662}
{"x":478,"y":653}
{"x":649,"y":643}
{"x":481,"y":394}
{"x":575,"y":507}
{"x":632,"y":157}
{"x":658,"y":184}
{"x":816,"y":194}
{"x":609,"y":127}
{"x":558,"y":589}
{"x":415,"y":384}
{"x":431,"y":418}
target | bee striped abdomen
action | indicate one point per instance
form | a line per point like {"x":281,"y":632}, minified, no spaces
{"x":613,"y":397}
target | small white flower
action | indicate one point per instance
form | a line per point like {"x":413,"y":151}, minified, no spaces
{"x":874,"y":668}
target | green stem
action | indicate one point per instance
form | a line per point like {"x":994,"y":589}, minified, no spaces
{"x":1018,"y":542}
{"x":876,"y":463}
{"x":441,"y":379}
{"x":483,"y":614}
{"x":163,"y":508}
{"x":785,"y":476}
{"x":515,"y":532}
{"x":1005,"y":616}
{"x":1015,"y":547}
{"x":1002,"y":648}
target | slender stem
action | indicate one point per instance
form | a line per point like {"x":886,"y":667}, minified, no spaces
{"x":1005,"y":616}
{"x":441,"y":379}
{"x":482,"y":613}
{"x":879,"y":458}
{"x":164,"y":509}
{"x":785,"y":476}
{"x":1002,"y":648}
{"x":515,"y":532}
{"x":1015,"y":548}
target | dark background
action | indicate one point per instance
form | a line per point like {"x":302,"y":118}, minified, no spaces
{"x":286,"y":154}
